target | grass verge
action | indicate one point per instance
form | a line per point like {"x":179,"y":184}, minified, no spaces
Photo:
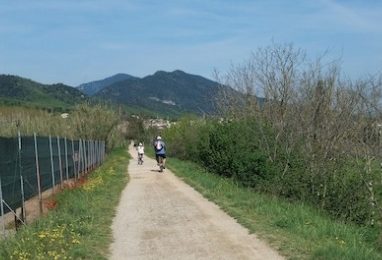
{"x":80,"y":226}
{"x":296,"y":230}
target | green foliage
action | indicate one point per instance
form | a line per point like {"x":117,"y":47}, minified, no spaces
{"x":297,"y":230}
{"x":349,"y":197}
{"x":221,"y":149}
{"x":233,"y":152}
{"x":136,"y":130}
{"x":186,"y":137}
{"x":168,"y":93}
{"x":79,"y":228}
{"x":95,"y":122}
{"x":20,"y":91}
{"x":93,"y":87}
{"x":234,"y":149}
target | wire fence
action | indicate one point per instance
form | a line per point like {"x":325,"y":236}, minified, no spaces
{"x":31,"y":165}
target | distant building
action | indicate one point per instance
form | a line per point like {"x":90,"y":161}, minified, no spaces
{"x":64,"y":115}
{"x":157,"y":123}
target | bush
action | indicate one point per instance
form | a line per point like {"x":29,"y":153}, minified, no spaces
{"x":219,"y":148}
{"x":349,"y":197}
{"x":233,"y":149}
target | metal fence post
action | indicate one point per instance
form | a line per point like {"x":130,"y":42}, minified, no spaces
{"x":66,"y":160}
{"x":88,"y":155}
{"x":74,"y":163}
{"x":85,"y":157}
{"x":82,"y":157}
{"x":2,"y":210}
{"x":52,"y":164}
{"x":38,"y":174}
{"x":59,"y":162}
{"x":92,"y":146}
{"x":102,"y":151}
{"x":92,"y":154}
{"x":102,"y":155}
{"x":23,"y":210}
{"x":97,"y":151}
{"x":79,"y":158}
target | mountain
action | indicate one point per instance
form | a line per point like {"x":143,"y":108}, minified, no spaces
{"x":93,"y":87}
{"x":170,"y":93}
{"x":15,"y":90}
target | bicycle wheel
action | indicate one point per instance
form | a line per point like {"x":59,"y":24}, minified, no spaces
{"x":161,"y":164}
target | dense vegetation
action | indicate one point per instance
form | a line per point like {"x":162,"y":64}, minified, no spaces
{"x":169,"y":93}
{"x":19,"y":91}
{"x":295,"y":229}
{"x":316,"y":139}
{"x":96,"y":122}
{"x":164,"y":94}
{"x":234,"y":150}
{"x":79,"y":226}
{"x":93,"y":87}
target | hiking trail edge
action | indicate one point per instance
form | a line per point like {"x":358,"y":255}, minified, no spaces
{"x":161,"y":217}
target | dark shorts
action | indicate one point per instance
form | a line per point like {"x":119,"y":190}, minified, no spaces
{"x":160,"y":155}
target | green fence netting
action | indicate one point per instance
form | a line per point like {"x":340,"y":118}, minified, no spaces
{"x":59,"y":159}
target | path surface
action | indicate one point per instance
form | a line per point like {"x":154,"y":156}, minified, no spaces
{"x":161,"y":217}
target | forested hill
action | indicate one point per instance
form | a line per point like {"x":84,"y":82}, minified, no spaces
{"x":93,"y":87}
{"x":15,"y":90}
{"x":163,"y":93}
{"x":173,"y":93}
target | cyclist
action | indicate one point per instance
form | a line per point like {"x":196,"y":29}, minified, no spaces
{"x":160,"y":151}
{"x":141,"y":151}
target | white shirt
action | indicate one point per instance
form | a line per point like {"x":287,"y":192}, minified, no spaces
{"x":141,"y":149}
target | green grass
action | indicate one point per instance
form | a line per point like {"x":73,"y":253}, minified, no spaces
{"x":296,"y":230}
{"x":80,"y":226}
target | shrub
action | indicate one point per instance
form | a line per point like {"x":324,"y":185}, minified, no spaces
{"x":234,"y":149}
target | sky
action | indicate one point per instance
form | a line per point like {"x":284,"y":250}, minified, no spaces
{"x":77,"y":41}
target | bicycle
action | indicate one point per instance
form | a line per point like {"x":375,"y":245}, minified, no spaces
{"x":160,"y":163}
{"x":140,"y":159}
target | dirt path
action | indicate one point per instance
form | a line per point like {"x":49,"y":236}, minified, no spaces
{"x":160,"y":217}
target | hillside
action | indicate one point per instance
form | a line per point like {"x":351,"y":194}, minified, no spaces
{"x":171,"y":93}
{"x":161,"y":94}
{"x":15,"y":90}
{"x":93,"y":87}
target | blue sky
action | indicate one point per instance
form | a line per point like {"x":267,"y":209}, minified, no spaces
{"x":76,"y":41}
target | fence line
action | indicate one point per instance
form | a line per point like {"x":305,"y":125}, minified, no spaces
{"x":38,"y":174}
{"x":31,"y":165}
{"x":51,"y":163}
{"x":2,"y":209}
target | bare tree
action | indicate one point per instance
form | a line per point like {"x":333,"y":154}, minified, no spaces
{"x":310,"y":109}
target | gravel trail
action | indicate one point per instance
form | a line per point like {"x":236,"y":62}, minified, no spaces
{"x":161,"y":217}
